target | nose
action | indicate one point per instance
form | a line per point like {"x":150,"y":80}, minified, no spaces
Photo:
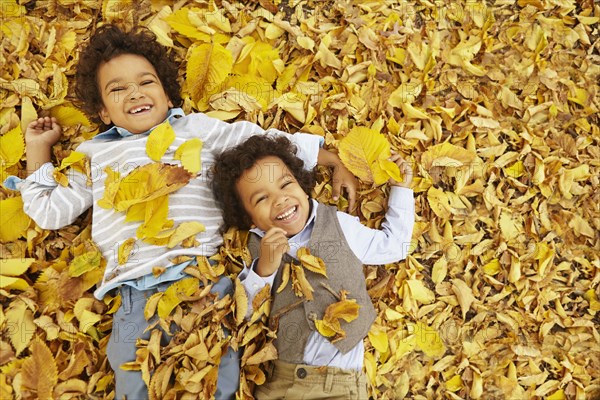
{"x":281,"y":200}
{"x":134,"y":92}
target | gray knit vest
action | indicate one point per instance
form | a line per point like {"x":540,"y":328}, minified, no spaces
{"x":344,"y":271}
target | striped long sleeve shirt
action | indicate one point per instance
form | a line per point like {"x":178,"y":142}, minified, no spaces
{"x":53,"y":206}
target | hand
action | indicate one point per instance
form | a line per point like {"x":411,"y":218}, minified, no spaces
{"x":40,"y":135}
{"x":405,"y":170}
{"x":272,"y":248}
{"x":43,"y":131}
{"x":342,"y":177}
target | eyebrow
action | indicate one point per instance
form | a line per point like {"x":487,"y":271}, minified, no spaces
{"x":117,"y":80}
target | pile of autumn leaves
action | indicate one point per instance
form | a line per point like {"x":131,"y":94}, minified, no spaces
{"x":496,"y":106}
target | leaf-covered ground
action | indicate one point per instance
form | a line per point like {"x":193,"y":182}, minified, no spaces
{"x":495,"y":102}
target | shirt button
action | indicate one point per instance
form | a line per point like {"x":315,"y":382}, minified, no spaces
{"x":301,"y":373}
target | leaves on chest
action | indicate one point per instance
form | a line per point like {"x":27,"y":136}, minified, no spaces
{"x":300,"y":284}
{"x":330,"y":325}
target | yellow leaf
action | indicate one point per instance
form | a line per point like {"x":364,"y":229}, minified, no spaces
{"x":405,"y":93}
{"x":13,"y":220}
{"x":10,"y":269}
{"x":207,"y":68}
{"x":155,"y":217}
{"x":184,"y":231}
{"x":250,"y":93}
{"x":22,"y":328}
{"x":454,"y":384}
{"x":447,"y":155}
{"x":344,"y":309}
{"x":11,"y":8}
{"x":39,"y":371}
{"x":464,"y":294}
{"x":581,"y":227}
{"x":143,"y":184}
{"x":75,"y":160}
{"x":439,"y":202}
{"x":189,"y":155}
{"x":87,"y":319}
{"x":174,"y":293}
{"x":324,"y":328}
{"x":285,"y":277}
{"x":492,"y":267}
{"x":391,"y":168}
{"x":85,"y":263}
{"x":159,"y":141}
{"x":305,"y":42}
{"x":28,"y":113}
{"x":10,"y":282}
{"x":419,"y":292}
{"x":15,"y":266}
{"x":516,"y":170}
{"x":12,"y":147}
{"x":241,"y":302}
{"x":300,"y":284}
{"x":310,"y":262}
{"x":558,"y":395}
{"x":413,"y":112}
{"x":428,"y":340}
{"x":481,"y":122}
{"x":125,"y":250}
{"x":111,"y":187}
{"x":180,"y":22}
{"x":379,"y":340}
{"x":361,"y":151}
{"x":392,"y":315}
{"x":510,"y":227}
{"x":151,"y":305}
{"x":69,"y":116}
{"x":267,"y":353}
{"x":439,"y":270}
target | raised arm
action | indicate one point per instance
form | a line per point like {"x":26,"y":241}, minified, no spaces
{"x":40,"y":136}
{"x":392,"y":242}
{"x":50,"y":205}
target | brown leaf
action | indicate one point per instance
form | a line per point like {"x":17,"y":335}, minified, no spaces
{"x":39,"y":371}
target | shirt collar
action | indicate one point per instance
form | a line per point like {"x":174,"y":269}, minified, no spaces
{"x":308,"y":226}
{"x":117,"y":132}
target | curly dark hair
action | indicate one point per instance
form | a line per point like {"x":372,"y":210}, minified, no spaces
{"x":231,"y":164}
{"x":110,"y":41}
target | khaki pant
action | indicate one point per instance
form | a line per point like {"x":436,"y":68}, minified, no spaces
{"x":303,"y":382}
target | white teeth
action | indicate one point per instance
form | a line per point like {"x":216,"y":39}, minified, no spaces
{"x":287,"y":214}
{"x":139,"y":109}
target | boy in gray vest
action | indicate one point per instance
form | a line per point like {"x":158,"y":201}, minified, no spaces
{"x":127,"y":83}
{"x":261,"y":186}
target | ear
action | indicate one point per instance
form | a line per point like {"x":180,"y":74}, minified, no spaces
{"x":103,"y":114}
{"x":170,"y":104}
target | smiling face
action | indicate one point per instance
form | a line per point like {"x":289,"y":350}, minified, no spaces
{"x":132,"y":94}
{"x":272,"y":196}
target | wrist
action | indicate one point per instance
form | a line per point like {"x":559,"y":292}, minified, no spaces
{"x":264,"y":269}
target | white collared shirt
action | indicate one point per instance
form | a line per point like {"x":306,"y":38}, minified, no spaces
{"x":382,"y":246}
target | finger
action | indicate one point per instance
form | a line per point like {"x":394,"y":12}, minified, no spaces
{"x":351,"y":198}
{"x":335,"y":192}
{"x":274,"y":231}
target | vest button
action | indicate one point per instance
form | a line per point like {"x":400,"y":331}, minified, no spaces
{"x":301,"y":373}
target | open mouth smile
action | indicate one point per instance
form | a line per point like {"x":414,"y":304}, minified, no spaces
{"x":140,"y":109}
{"x":287,"y":214}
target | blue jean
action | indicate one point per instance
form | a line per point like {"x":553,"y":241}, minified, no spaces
{"x":129,"y":324}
